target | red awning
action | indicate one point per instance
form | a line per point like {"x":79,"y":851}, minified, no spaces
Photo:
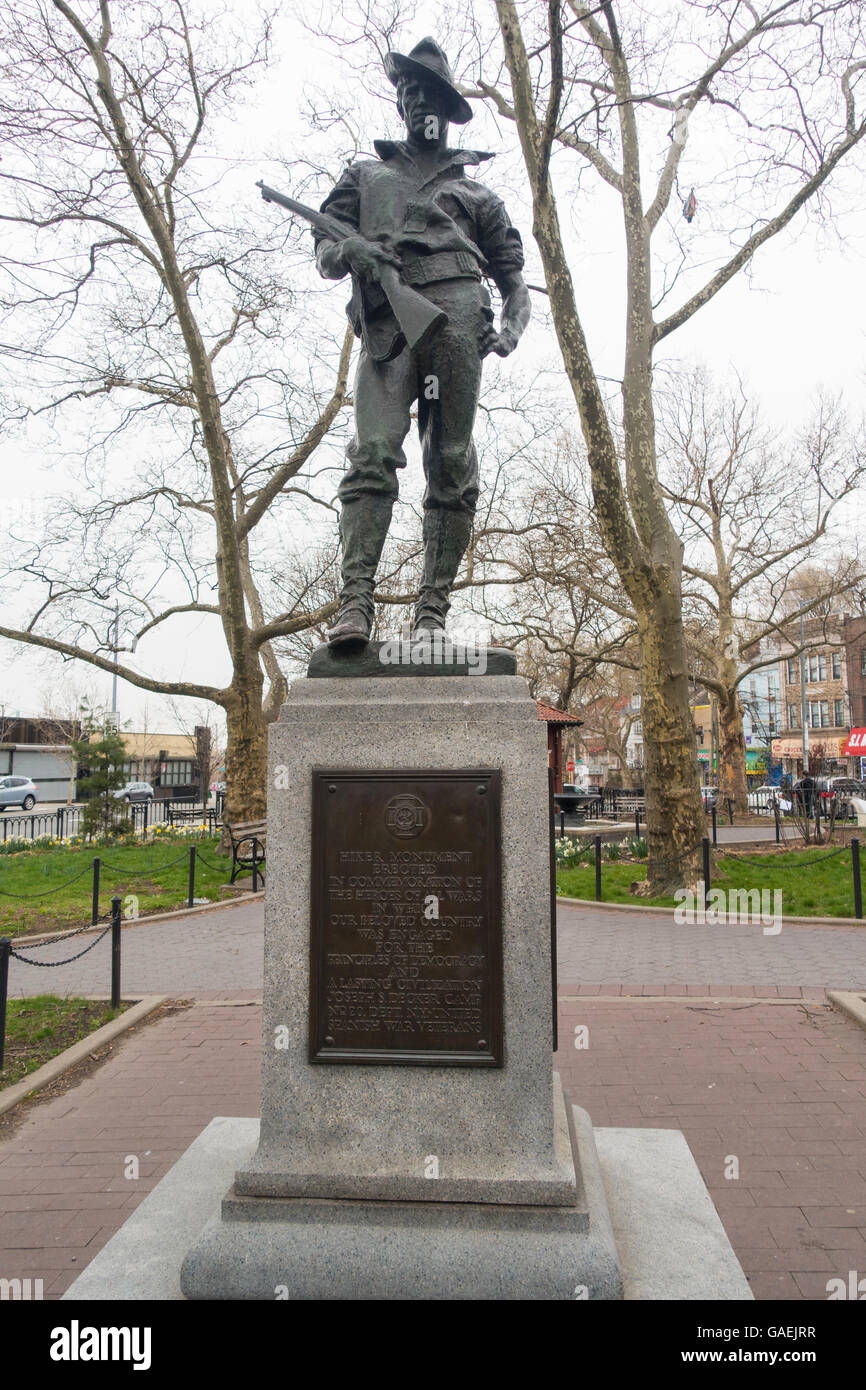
{"x":856,"y":745}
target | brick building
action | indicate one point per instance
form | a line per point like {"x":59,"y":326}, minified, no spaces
{"x":835,"y":694}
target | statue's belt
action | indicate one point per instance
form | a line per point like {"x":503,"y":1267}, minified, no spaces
{"x":439,"y":265}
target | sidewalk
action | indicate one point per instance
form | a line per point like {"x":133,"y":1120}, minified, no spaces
{"x":206,"y":951}
{"x":769,"y":1076}
{"x":633,"y":950}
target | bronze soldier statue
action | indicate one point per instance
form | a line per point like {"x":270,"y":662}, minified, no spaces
{"x":416,"y":211}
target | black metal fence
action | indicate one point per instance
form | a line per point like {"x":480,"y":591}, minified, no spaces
{"x":66,"y":820}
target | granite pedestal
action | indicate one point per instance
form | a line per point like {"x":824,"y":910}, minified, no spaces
{"x":411,"y":1181}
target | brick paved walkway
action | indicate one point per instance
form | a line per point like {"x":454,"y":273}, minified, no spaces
{"x":782,"y":1087}
{"x":63,"y":1192}
{"x":779,"y":1085}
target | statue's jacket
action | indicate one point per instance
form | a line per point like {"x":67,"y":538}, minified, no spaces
{"x":444,"y":226}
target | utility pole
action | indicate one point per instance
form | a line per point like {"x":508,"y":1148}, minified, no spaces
{"x":803,"y":693}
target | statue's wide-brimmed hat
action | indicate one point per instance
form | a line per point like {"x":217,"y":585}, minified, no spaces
{"x":427,"y":61}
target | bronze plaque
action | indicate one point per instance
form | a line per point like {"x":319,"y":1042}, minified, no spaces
{"x":406,"y":931}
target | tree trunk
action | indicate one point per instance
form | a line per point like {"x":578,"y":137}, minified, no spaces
{"x":675,"y":819}
{"x":636,"y":530}
{"x":630,"y":777}
{"x":732,"y":753}
{"x":621,"y":752}
{"x":246,"y":750}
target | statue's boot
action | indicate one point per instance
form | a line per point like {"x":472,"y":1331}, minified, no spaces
{"x":446,"y":535}
{"x":364,"y":523}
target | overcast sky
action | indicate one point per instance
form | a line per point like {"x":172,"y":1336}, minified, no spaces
{"x":794,"y":325}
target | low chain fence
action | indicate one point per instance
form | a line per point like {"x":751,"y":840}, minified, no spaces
{"x":21,"y":952}
{"x":568,"y":853}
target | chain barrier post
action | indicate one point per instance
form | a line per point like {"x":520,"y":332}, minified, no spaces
{"x":191,"y":895}
{"x":858,"y":886}
{"x":598,"y":868}
{"x":636,"y":823}
{"x":115,"y":953}
{"x":706,"y":849}
{"x":94,"y":912}
{"x":5,"y":948}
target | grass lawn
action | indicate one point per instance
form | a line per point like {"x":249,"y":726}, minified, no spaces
{"x":819,"y":890}
{"x":127,"y":868}
{"x":38,"y":1028}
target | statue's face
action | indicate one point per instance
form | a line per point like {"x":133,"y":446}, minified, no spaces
{"x":423,"y":108}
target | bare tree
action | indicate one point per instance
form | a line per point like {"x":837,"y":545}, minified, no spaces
{"x":779,"y":79}
{"x":610,"y":712}
{"x":131,"y":286}
{"x":753,"y":510}
{"x":558,"y":601}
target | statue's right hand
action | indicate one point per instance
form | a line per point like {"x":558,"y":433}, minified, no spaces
{"x":365,"y":258}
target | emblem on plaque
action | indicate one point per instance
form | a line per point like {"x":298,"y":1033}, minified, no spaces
{"x":406,"y":816}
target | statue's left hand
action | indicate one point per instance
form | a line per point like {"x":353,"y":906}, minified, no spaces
{"x":502,"y":343}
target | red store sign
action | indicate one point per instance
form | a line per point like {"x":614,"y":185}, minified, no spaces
{"x":856,"y":745}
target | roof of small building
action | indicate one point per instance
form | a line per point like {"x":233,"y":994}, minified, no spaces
{"x":548,"y":715}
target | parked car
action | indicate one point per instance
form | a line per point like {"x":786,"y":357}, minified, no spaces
{"x":762,"y":798}
{"x":18,"y":791}
{"x":135,"y":791}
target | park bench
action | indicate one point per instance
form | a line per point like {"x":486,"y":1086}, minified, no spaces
{"x":184,"y":813}
{"x":248,"y":847}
